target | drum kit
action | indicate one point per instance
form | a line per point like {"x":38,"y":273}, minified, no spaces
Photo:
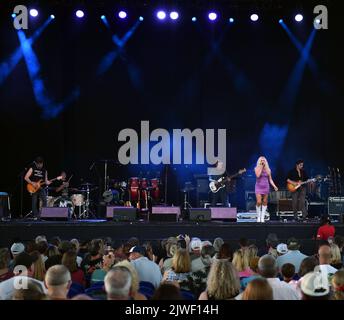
{"x":137,"y":192}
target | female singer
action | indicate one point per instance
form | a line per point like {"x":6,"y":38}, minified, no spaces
{"x":262,"y":188}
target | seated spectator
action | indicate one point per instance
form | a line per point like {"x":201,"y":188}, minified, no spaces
{"x":134,"y":289}
{"x":267,"y":267}
{"x":204,"y":260}
{"x":223,"y":282}
{"x":255,"y":274}
{"x":39,"y":267}
{"x":326,"y":229}
{"x":93,"y":259}
{"x":5,"y":272}
{"x":58,"y":281}
{"x":258,"y":289}
{"x":281,"y":249}
{"x":16,"y":249}
{"x":167,"y":291}
{"x":118,"y":284}
{"x":181,"y":269}
{"x":339,"y":241}
{"x":23,"y":270}
{"x":288,"y":272}
{"x":225,"y":252}
{"x":241,"y":263}
{"x":33,"y":291}
{"x":293,"y":256}
{"x":324,"y":254}
{"x":70,"y":262}
{"x":42,"y":248}
{"x":218,"y":242}
{"x":167,"y":263}
{"x":81,"y":297}
{"x":315,"y":286}
{"x":76,"y":247}
{"x":55,"y":241}
{"x":338,"y":285}
{"x":336,"y":258}
{"x":271,"y":244}
{"x":40,"y":238}
{"x":195,"y":247}
{"x":146,"y":269}
{"x":109,"y":261}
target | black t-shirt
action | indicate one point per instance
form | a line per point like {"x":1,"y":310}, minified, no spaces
{"x":293,"y":175}
{"x":37,"y":174}
{"x":59,"y":183}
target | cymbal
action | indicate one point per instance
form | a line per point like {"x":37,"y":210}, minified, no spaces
{"x":87,"y":184}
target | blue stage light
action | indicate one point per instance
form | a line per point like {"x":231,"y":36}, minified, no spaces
{"x":79,"y":13}
{"x":122,"y":14}
{"x":52,"y":16}
{"x":102,"y":17}
{"x":280,"y":20}
{"x":212,"y":16}
{"x":231,"y":20}
{"x":299,"y":17}
{"x":174,"y":15}
{"x":254,"y":17}
{"x":33,"y":13}
{"x":141,"y":18}
{"x":161,"y":15}
{"x":13,"y":15}
{"x":194,"y":19}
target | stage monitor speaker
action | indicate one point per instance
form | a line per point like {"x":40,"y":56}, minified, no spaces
{"x":221,"y":213}
{"x":54,"y":213}
{"x":200,"y":214}
{"x":336,"y":206}
{"x":121,"y":213}
{"x":170,"y":214}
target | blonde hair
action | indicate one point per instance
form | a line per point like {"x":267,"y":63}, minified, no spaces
{"x":338,"y":285}
{"x":241,"y":259}
{"x":134,"y":276}
{"x":39,"y":266}
{"x":223,"y":280}
{"x":258,"y":289}
{"x":335,"y":254}
{"x":267,"y":167}
{"x":181,"y":262}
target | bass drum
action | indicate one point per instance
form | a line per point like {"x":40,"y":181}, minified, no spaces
{"x":62,"y":202}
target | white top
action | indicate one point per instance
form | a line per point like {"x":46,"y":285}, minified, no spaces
{"x":328,"y":269}
{"x":78,"y":261}
{"x":7,"y":287}
{"x":148,"y":271}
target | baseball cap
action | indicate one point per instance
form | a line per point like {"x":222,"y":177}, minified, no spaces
{"x":138,"y":249}
{"x":195,"y":244}
{"x":282,"y":248}
{"x":315,"y":284}
{"x":17,"y":248}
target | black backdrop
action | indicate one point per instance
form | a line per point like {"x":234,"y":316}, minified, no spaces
{"x":176,"y":75}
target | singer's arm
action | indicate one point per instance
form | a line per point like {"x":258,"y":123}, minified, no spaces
{"x":258,"y":170}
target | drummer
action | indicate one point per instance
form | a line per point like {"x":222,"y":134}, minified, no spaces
{"x":62,"y":186}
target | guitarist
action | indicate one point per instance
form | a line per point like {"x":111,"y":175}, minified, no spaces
{"x":36,"y":173}
{"x":295,"y":177}
{"x":221,"y":196}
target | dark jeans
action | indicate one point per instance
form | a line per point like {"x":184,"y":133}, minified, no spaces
{"x":299,"y":198}
{"x":220,"y":196}
{"x":41,"y":194}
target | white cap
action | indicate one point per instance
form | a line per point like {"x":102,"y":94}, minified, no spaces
{"x":195,"y":244}
{"x":17,"y":248}
{"x":282,"y":248}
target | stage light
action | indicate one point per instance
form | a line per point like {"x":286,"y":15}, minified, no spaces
{"x":317,"y":21}
{"x":212,"y":16}
{"x":174,"y":15}
{"x":52,"y":16}
{"x":79,"y":13}
{"x":122,"y":14}
{"x":280,"y":21}
{"x":254,"y":17}
{"x":231,"y":20}
{"x":33,"y":13}
{"x":13,"y":15}
{"x":141,"y":18}
{"x":161,"y":15}
{"x":194,"y":19}
{"x":298,"y":17}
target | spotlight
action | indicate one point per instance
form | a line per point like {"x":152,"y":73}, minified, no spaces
{"x":103,"y":17}
{"x":33,"y":13}
{"x":174,"y":15}
{"x":79,"y":13}
{"x":194,"y":19}
{"x":317,"y":21}
{"x":122,"y":14}
{"x":231,"y":20}
{"x":141,"y":18}
{"x":254,"y":17}
{"x":212,"y":16}
{"x":161,"y":15}
{"x":13,"y":15}
{"x":52,"y":16}
{"x":299,"y":17}
{"x":280,"y":21}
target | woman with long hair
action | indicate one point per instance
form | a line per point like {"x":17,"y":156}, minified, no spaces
{"x":262,"y":188}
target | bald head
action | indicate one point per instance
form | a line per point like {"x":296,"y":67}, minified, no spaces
{"x":57,"y":275}
{"x":118,"y":283}
{"x":267,"y":266}
{"x":324,"y":253}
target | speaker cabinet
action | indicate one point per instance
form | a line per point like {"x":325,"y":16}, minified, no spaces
{"x":223,"y":213}
{"x":200,"y":214}
{"x":54,"y":213}
{"x":121,"y":213}
{"x":170,"y":214}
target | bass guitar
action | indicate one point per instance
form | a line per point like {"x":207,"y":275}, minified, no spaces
{"x":39,"y":184}
{"x":217,"y":185}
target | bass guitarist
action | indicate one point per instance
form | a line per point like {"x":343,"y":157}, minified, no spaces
{"x":221,"y":196}
{"x":36,"y":175}
{"x":295,"y":177}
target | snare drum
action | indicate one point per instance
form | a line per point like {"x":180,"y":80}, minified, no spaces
{"x":78,"y":200}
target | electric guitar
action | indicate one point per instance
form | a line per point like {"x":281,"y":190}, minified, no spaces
{"x":215,"y":186}
{"x":292,"y":188}
{"x":31,"y":189}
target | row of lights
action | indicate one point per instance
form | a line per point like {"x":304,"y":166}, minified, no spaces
{"x":162,"y":15}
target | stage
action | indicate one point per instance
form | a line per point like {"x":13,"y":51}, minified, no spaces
{"x":122,"y":231}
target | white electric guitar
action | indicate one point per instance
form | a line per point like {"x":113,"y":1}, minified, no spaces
{"x":217,"y":185}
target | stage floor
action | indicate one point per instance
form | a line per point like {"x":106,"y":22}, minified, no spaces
{"x":122,"y":231}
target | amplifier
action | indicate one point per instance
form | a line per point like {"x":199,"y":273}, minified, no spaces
{"x":54,"y":213}
{"x":336,"y":205}
{"x":223,"y":213}
{"x":121,"y":213}
{"x":165,"y":214}
{"x":200,"y":214}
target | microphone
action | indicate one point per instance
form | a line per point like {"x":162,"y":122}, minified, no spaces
{"x":92,"y":165}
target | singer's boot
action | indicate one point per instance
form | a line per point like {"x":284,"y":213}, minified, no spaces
{"x":259,"y":212}
{"x":263,"y":213}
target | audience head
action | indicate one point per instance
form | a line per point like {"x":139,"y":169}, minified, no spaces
{"x":69,"y":261}
{"x":33,"y":291}
{"x":58,"y":282}
{"x":181,"y":262}
{"x":339,"y":241}
{"x":223,"y":280}
{"x":218,"y":242}
{"x":258,"y":289}
{"x":96,"y":247}
{"x":39,"y":267}
{"x":315,"y":286}
{"x":136,"y":252}
{"x":288,"y":272}
{"x":272,"y":240}
{"x":225,"y":252}
{"x":338,"y":285}
{"x":41,"y":238}
{"x":76,"y":244}
{"x":267,"y":266}
{"x":254,"y":264}
{"x":167,"y":291}
{"x":17,"y":248}
{"x":134,"y":242}
{"x":325,"y":219}
{"x":240,"y":259}
{"x":52,"y":251}
{"x":4,"y":258}
{"x":293,"y":244}
{"x":135,"y":282}
{"x":24,"y":265}
{"x":207,"y":254}
{"x":243,"y":242}
{"x":324,"y":253}
{"x":336,"y":257}
{"x":307,"y":265}
{"x":195,"y":245}
{"x":55,"y":241}
{"x":64,"y":247}
{"x":282,"y":249}
{"x":118,"y":283}
{"x":42,"y":247}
